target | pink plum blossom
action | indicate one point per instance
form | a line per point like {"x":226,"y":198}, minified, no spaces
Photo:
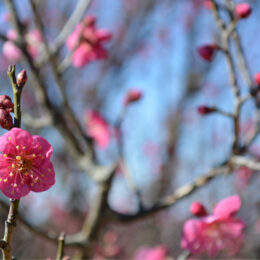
{"x":24,"y":164}
{"x":33,"y":39}
{"x":151,"y":253}
{"x":220,"y":231}
{"x":86,"y":42}
{"x":97,"y":128}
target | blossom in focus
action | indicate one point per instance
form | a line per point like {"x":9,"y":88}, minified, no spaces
{"x":97,"y":128}
{"x":207,"y":51}
{"x":219,"y":231}
{"x":151,"y":253}
{"x":87,"y":42}
{"x":132,"y":95}
{"x":24,"y":164}
{"x":243,"y":10}
{"x":33,"y":39}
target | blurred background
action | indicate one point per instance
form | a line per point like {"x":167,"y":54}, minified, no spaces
{"x":166,"y":142}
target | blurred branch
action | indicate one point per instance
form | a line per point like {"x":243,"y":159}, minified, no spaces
{"x":52,"y":60}
{"x":60,"y":252}
{"x":178,"y":195}
{"x":76,"y":16}
{"x":247,"y":162}
{"x":122,"y":163}
{"x":36,"y":122}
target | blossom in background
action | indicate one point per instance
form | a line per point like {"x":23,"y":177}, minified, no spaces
{"x":151,"y":253}
{"x":243,"y":10}
{"x":132,"y":95}
{"x":24,"y":164}
{"x":242,"y":177}
{"x":87,"y":42}
{"x":97,"y":128}
{"x":219,"y":231}
{"x":33,"y":39}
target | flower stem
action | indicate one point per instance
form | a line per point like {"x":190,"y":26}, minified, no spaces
{"x":10,"y":223}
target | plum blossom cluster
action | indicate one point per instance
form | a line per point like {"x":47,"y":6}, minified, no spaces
{"x":213,"y":233}
{"x":33,"y":39}
{"x":24,"y":164}
{"x":6,"y":106}
{"x":87,"y":42}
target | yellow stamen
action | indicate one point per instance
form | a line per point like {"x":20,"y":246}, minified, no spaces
{"x":13,"y":165}
{"x":0,"y":179}
{"x":15,"y":185}
{"x":17,"y":147}
{"x":34,"y":155}
{"x":24,"y":147}
{"x":5,"y":180}
{"x":5,"y":155}
{"x":18,"y":157}
{"x":9,"y":138}
{"x":11,"y":174}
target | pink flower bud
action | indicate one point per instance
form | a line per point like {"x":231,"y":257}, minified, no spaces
{"x":204,"y":110}
{"x":6,"y":120}
{"x":21,"y":78}
{"x":6,"y":103}
{"x":197,"y":209}
{"x":243,"y":10}
{"x":207,"y":51}
{"x":257,"y":78}
{"x":133,"y":95}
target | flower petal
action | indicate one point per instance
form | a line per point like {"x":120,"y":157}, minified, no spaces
{"x":44,"y":177}
{"x":42,"y":146}
{"x":227,"y":207}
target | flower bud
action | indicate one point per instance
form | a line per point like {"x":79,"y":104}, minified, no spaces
{"x":207,"y":51}
{"x":133,"y":95}
{"x":243,"y":10}
{"x":21,"y":78}
{"x":257,"y":78}
{"x":198,"y":210}
{"x":6,"y":103}
{"x":6,"y":120}
{"x":204,"y":110}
